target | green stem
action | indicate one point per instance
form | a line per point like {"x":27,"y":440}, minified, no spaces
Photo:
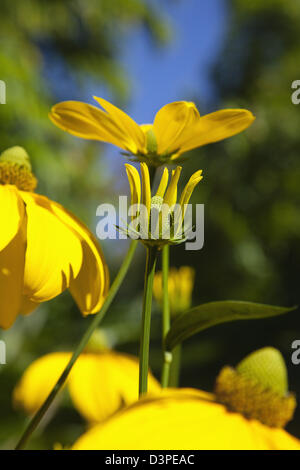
{"x":175,"y":367}
{"x":152,"y":173}
{"x":95,"y":323}
{"x":146,"y":319}
{"x":166,"y":322}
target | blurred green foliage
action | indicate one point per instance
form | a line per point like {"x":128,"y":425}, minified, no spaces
{"x":251,"y":188}
{"x":51,"y":51}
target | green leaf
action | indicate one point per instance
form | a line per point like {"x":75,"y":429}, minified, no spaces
{"x":210,"y":314}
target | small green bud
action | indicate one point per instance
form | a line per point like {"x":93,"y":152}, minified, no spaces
{"x":16,"y":155}
{"x":267,"y":367}
{"x":258,"y":388}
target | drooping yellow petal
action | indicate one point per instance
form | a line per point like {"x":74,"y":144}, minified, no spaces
{"x":102,"y":383}
{"x":38,"y":380}
{"x":146,"y":187}
{"x":27,"y":306}
{"x":89,"y":288}
{"x":171,"y":194}
{"x":189,"y":188}
{"x":134,"y":183}
{"x":54,"y":252}
{"x":214,"y":127}
{"x":11,"y":213}
{"x":170,"y":121}
{"x":128,"y":125}
{"x":12,"y":262}
{"x":99,"y":383}
{"x":183,"y":419}
{"x":163,"y":183}
{"x":87,"y":121}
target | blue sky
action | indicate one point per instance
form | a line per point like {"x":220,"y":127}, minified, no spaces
{"x":158,"y":75}
{"x":180,"y":70}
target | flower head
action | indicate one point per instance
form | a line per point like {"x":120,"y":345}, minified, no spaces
{"x":159,"y":220}
{"x":101,"y":382}
{"x":177,"y":128}
{"x":44,"y":249}
{"x":258,"y":388}
{"x":192,"y":419}
{"x":183,"y":419}
{"x":180,"y":288}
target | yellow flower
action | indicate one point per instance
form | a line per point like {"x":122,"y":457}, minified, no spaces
{"x":177,"y":127}
{"x":250,"y":406}
{"x":99,"y":384}
{"x":44,"y":249}
{"x":183,"y":419}
{"x":159,"y":219}
{"x":180,"y":288}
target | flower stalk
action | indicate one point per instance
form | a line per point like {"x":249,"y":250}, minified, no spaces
{"x":146,"y":318}
{"x":175,"y":367}
{"x":166,"y":322}
{"x":95,"y":323}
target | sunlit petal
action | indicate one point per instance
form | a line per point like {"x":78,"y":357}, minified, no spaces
{"x":214,"y":127}
{"x":102,"y":383}
{"x":12,"y":262}
{"x":171,"y":194}
{"x":38,"y":380}
{"x":54,"y":252}
{"x":170,"y":121}
{"x":11,"y":213}
{"x":87,"y":121}
{"x":89,"y":288}
{"x":146,"y":187}
{"x":130,"y":128}
{"x":134,"y":183}
{"x":183,"y":419}
{"x":163,"y":183}
{"x":189,"y":188}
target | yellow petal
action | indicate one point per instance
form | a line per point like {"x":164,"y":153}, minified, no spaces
{"x":12,"y":262}
{"x":134,"y":183}
{"x":54,"y":253}
{"x":171,"y":194}
{"x":11,"y":213}
{"x":163,"y":183}
{"x":38,"y":380}
{"x":214,"y":127}
{"x":170,"y":121}
{"x":130,"y":128}
{"x":87,"y":121}
{"x":27,"y":306}
{"x":146,"y":187}
{"x":189,"y":188}
{"x":90,"y":287}
{"x":102,"y":383}
{"x":183,"y":419}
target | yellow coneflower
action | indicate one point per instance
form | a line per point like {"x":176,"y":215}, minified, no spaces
{"x":44,"y":249}
{"x":177,"y":127}
{"x":159,"y":219}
